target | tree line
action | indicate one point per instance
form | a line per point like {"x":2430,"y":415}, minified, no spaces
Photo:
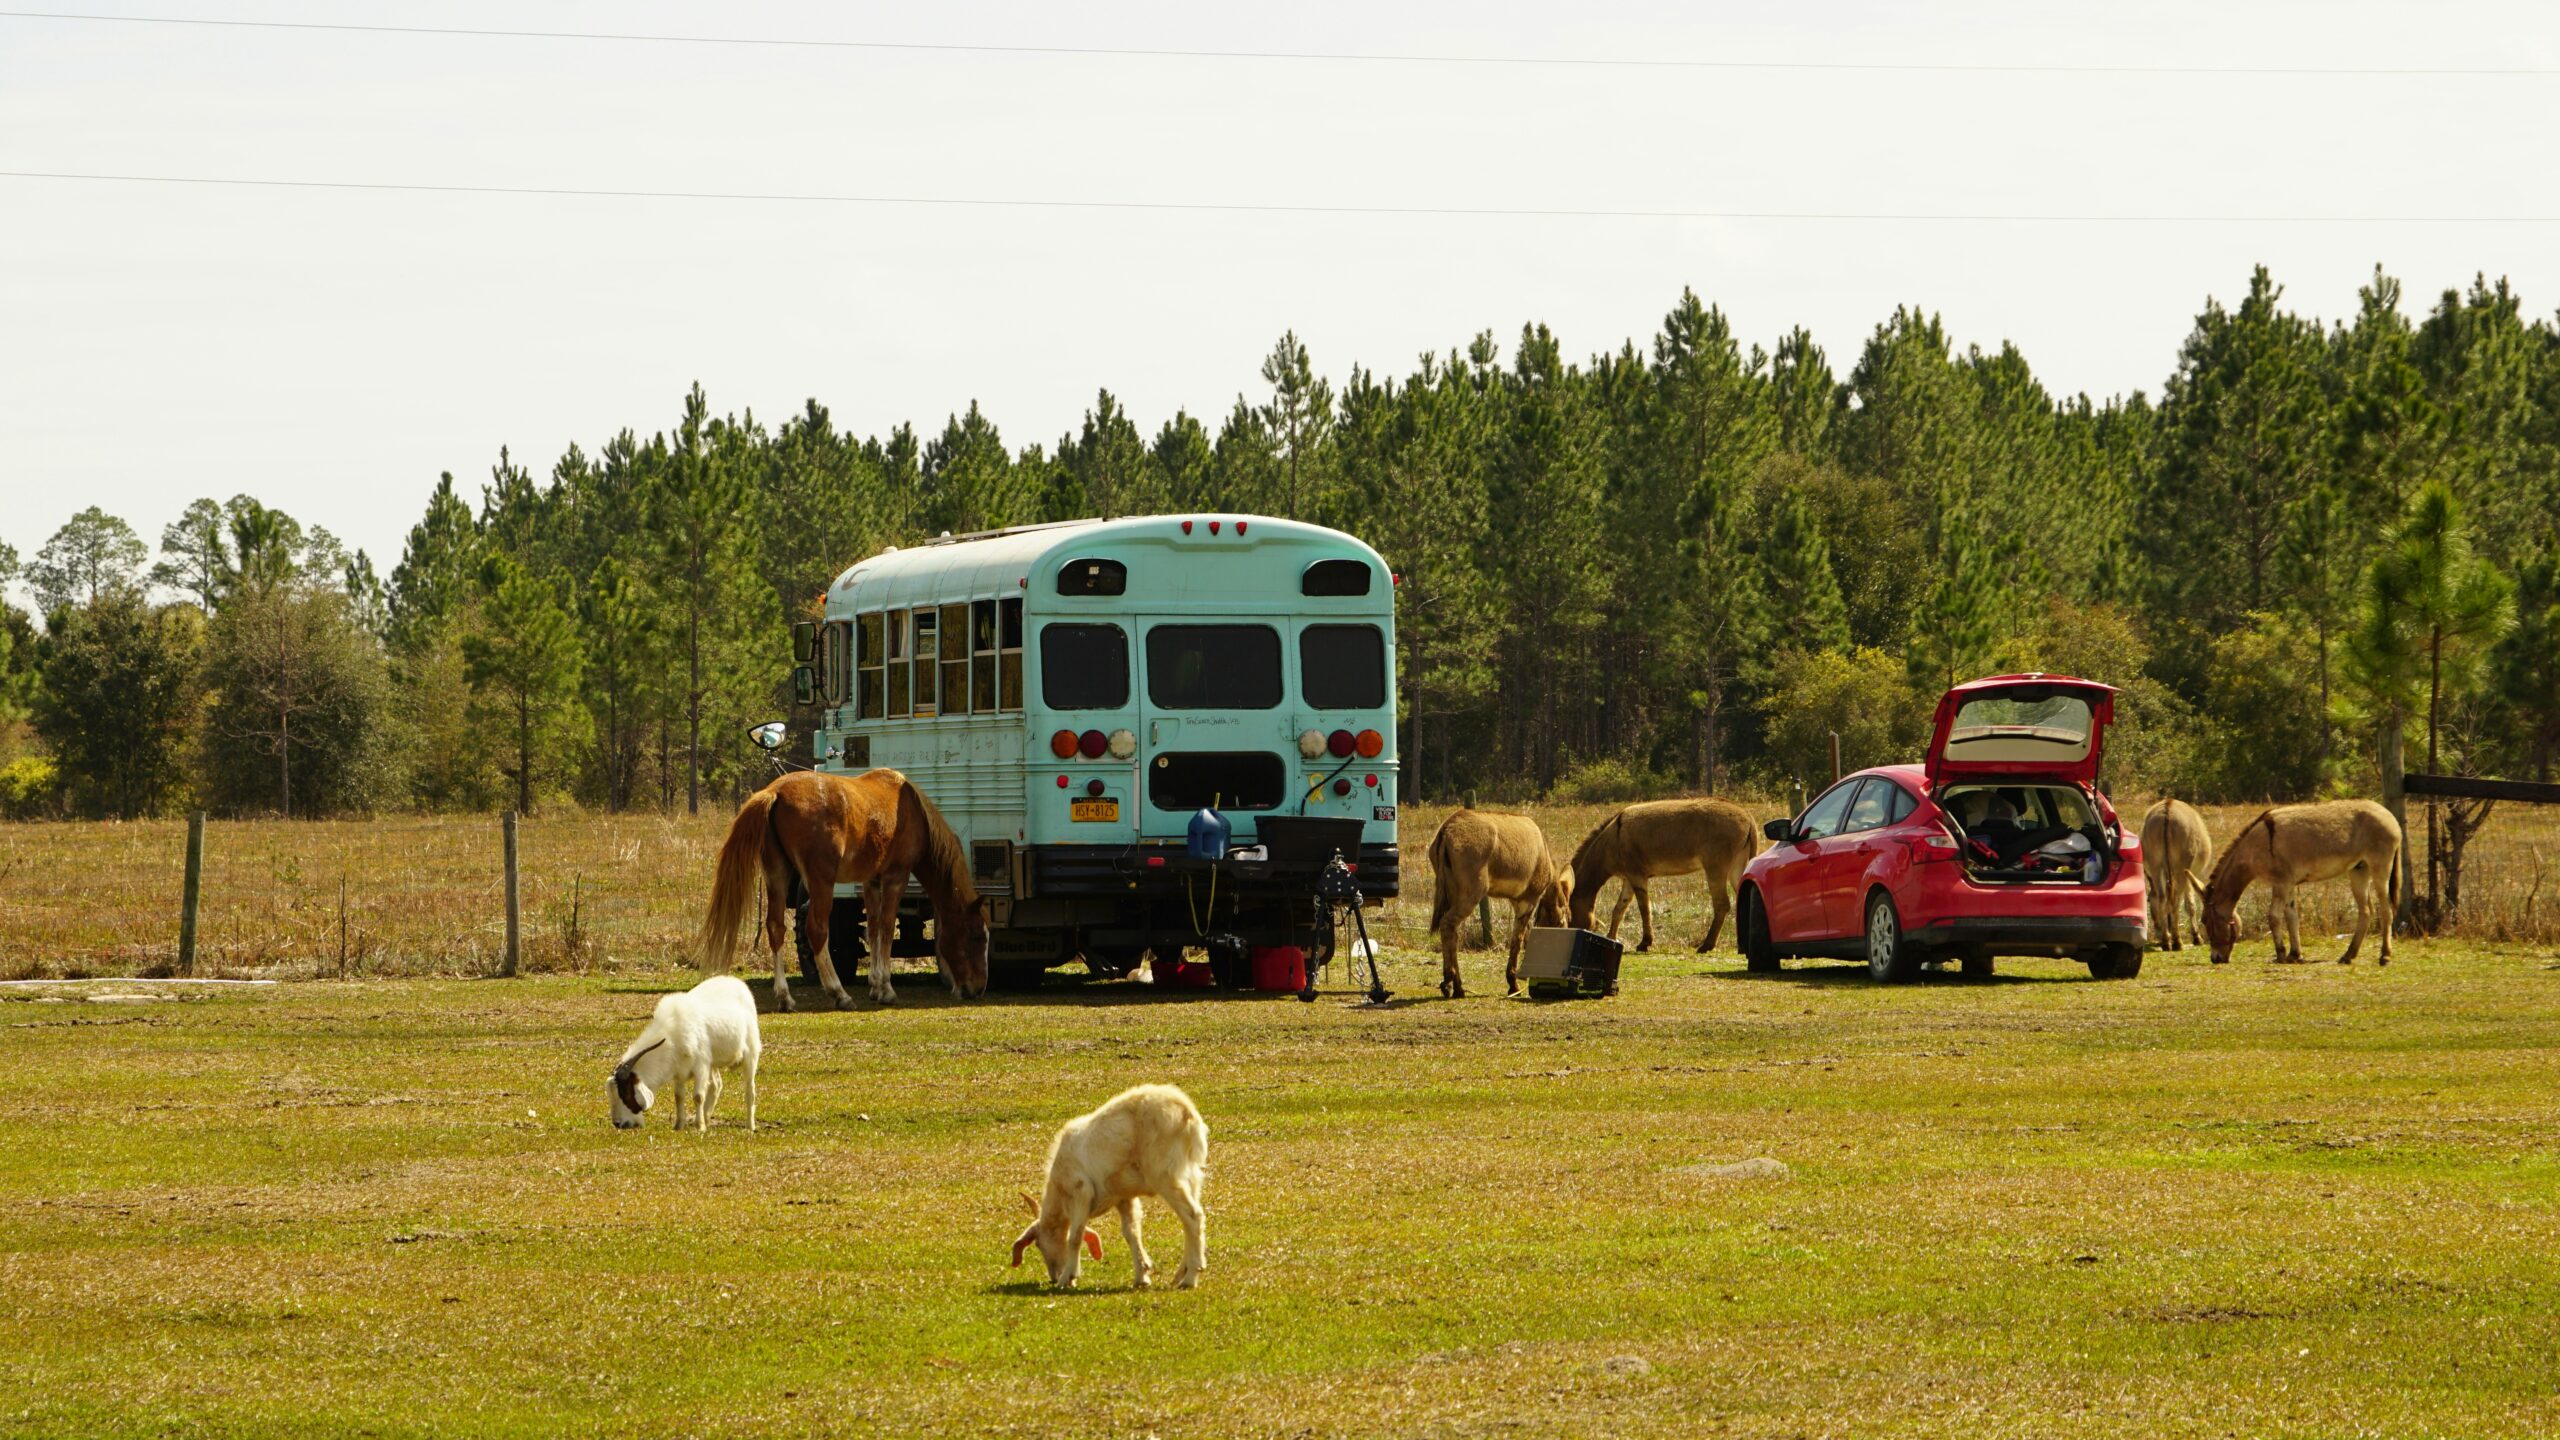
{"x":2321,"y":549}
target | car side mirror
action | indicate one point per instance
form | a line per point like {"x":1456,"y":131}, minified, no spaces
{"x":804,"y":642}
{"x":1781,"y":830}
{"x":804,"y":686}
{"x":768,"y":736}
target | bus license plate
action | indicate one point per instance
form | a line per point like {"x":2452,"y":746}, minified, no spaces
{"x":1103,"y":810}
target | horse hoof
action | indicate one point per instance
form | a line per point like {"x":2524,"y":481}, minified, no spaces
{"x":1644,"y":945}
{"x":781,"y":1002}
{"x":844,"y":1001}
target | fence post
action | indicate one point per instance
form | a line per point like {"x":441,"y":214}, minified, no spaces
{"x":512,"y":931}
{"x":194,"y":892}
{"x":1484,"y":906}
{"x":1835,"y":754}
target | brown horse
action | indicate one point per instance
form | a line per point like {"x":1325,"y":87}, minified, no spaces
{"x":1477,"y":857}
{"x":2302,"y":845}
{"x":2177,"y":850}
{"x":1644,"y":843}
{"x":876,"y":828}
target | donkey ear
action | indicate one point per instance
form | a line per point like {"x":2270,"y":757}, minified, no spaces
{"x":1092,"y":1243}
{"x":1029,"y":1204}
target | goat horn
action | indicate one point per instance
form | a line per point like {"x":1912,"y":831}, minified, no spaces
{"x":643,"y":1050}
{"x":1028,"y":1203}
{"x":1021,"y":1245}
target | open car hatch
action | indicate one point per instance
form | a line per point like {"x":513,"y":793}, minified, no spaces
{"x":2051,"y":726}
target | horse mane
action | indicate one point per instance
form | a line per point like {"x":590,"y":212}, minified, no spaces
{"x":2222,"y":862}
{"x":941,"y":855}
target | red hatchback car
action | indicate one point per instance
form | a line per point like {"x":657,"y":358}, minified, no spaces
{"x":2001,"y":844}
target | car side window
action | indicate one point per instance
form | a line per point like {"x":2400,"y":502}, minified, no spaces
{"x":1899,"y":804}
{"x":1822,"y":818}
{"x":1872,"y":806}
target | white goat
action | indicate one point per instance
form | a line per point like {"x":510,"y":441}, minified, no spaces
{"x":1148,"y":1140}
{"x":690,"y":1041}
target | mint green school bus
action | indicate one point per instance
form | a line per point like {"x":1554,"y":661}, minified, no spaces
{"x":1071,"y":695}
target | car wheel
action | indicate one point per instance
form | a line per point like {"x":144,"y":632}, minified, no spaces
{"x":1888,"y":958}
{"x":1759,"y":952}
{"x":2117,"y":962}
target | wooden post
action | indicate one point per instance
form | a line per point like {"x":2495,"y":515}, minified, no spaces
{"x":194,"y":892}
{"x":512,"y":931}
{"x":1484,"y":907}
{"x":1835,"y":754}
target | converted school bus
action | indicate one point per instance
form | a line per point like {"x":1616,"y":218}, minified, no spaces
{"x":1070,"y":695}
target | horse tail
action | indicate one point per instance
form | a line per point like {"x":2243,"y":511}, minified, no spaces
{"x":735,"y":881}
{"x":1441,"y":902}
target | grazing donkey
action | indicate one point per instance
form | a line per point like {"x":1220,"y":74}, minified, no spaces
{"x":2294,"y":845}
{"x":1644,"y":843}
{"x":1477,"y":857}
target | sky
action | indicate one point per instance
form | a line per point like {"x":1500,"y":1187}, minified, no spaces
{"x":330,"y":351}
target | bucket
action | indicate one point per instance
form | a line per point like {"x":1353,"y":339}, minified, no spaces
{"x":1279,"y":967}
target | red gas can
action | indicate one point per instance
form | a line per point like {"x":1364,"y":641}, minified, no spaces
{"x":1279,"y":967}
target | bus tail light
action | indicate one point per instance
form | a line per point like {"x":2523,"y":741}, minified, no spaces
{"x":1124,"y":743}
{"x":1370,"y":743}
{"x":1063,"y":744}
{"x":1093,"y":743}
{"x":1311,"y":744}
{"x":1340,"y":743}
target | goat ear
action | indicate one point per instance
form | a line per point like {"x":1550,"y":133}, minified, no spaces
{"x":1022,"y":1243}
{"x":1028,"y":1203}
{"x":1092,"y":1243}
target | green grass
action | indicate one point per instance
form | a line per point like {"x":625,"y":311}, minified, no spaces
{"x":2254,"y":1200}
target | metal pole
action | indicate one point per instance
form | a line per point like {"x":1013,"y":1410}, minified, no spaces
{"x":512,"y":932}
{"x":193,"y":893}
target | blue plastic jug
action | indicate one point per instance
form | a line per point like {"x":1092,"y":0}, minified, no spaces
{"x":1209,"y":834}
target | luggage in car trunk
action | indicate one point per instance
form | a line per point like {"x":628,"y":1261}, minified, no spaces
{"x":1560,"y":964}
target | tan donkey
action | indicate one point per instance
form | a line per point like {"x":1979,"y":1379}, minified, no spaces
{"x":2177,"y":853}
{"x":1477,"y":857}
{"x":1657,"y":839}
{"x":2303,"y":845}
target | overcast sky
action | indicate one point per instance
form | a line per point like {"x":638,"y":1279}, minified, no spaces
{"x":330,"y":351}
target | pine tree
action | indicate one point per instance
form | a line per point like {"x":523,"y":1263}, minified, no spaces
{"x":1805,"y":608}
{"x":707,"y":567}
{"x":118,"y":698}
{"x":93,"y":554}
{"x":1298,"y":416}
{"x":437,"y":569}
{"x":524,"y":665}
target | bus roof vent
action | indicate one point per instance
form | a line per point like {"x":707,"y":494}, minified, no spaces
{"x":1093,"y":577}
{"x":1336,"y":577}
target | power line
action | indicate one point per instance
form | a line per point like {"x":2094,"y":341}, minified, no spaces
{"x":1341,"y":57}
{"x":1273,"y":208}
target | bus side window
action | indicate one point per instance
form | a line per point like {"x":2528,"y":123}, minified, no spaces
{"x":868,"y":655}
{"x":1009,"y":653}
{"x":839,"y":651}
{"x":899,"y":649}
{"x":982,"y":656}
{"x":955,"y":659}
{"x":925,"y":657}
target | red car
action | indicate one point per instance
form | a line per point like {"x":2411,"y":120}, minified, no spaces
{"x":2001,"y":844}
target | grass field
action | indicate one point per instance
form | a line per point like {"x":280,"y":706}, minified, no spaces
{"x":605,"y":893}
{"x":2313,"y":1201}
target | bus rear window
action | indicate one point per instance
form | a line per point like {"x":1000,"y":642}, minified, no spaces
{"x":1343,"y":667}
{"x":1084,"y":667}
{"x":1213,"y":667}
{"x":1335,"y":577}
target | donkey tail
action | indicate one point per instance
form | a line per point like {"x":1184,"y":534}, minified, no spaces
{"x":1442,"y":903}
{"x":735,"y":882}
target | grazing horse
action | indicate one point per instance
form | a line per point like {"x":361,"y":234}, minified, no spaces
{"x":1644,"y":843}
{"x":2177,"y":850}
{"x":2294,"y":845}
{"x":1478,"y":857}
{"x":876,"y":828}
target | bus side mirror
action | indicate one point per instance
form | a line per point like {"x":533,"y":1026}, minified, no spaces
{"x":804,"y":686}
{"x":768,"y":735}
{"x":1782,"y":830}
{"x":804,"y":643}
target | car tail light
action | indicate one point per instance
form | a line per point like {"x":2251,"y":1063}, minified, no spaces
{"x":1370,"y":743}
{"x":1093,"y":743}
{"x":1063,"y":744}
{"x":1340,"y":743}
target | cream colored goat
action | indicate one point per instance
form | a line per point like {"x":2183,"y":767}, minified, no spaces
{"x":1148,"y":1140}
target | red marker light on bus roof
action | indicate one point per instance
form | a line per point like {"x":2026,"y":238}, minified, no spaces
{"x":1186,"y":527}
{"x":1213,"y":527}
{"x":1239,"y":527}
